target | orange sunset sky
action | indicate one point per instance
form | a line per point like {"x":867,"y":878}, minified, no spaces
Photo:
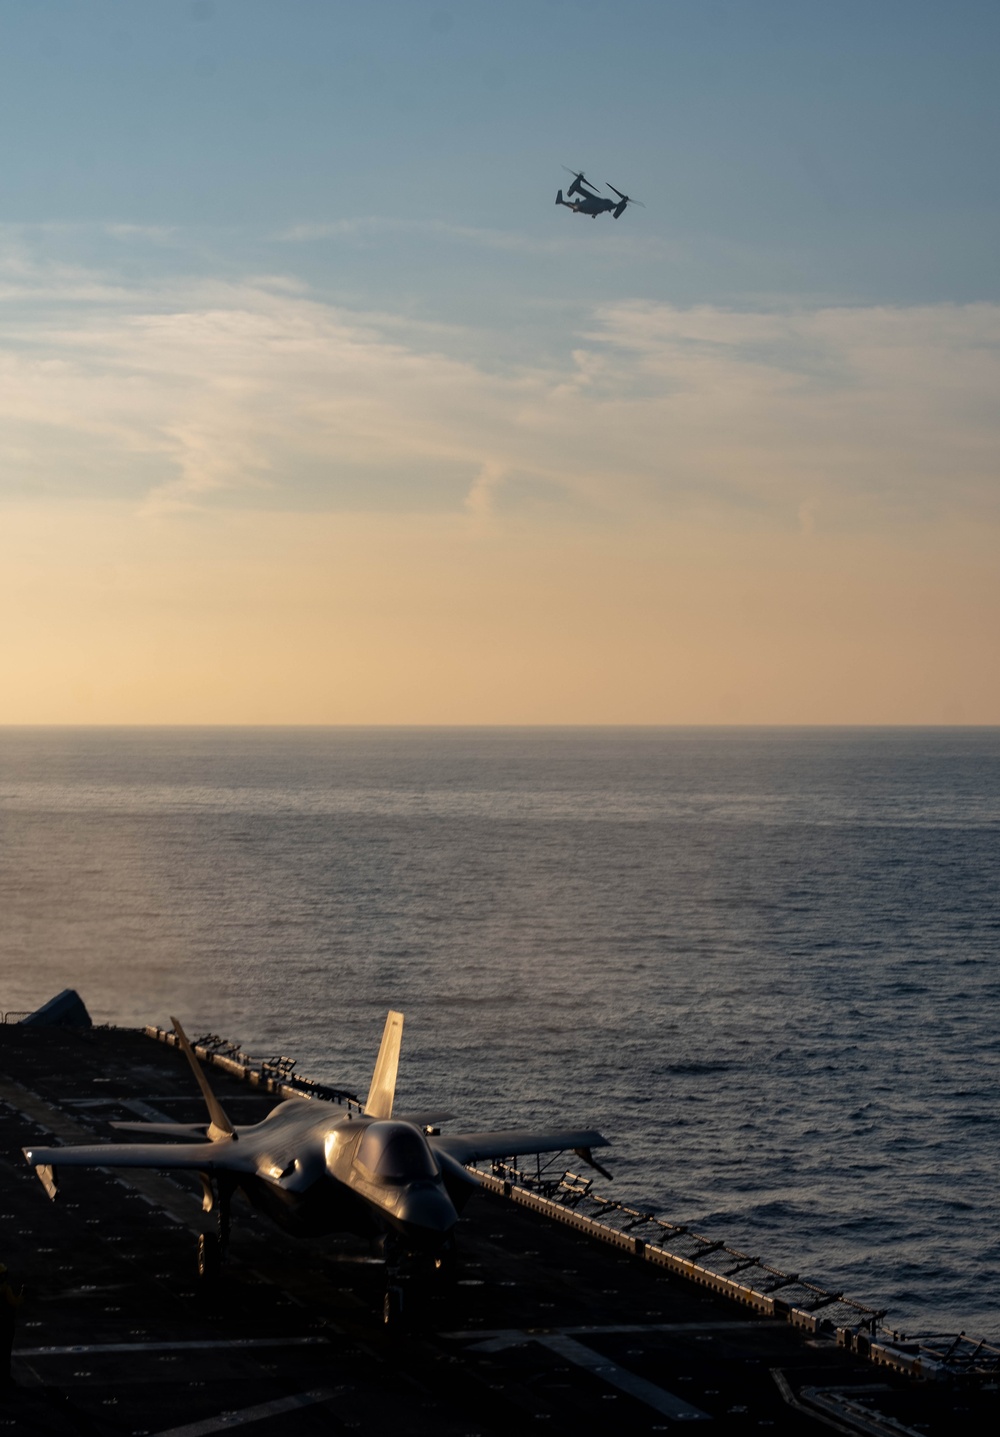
{"x":314,"y":408}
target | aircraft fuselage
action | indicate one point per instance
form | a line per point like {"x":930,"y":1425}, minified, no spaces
{"x":587,"y":204}
{"x":313,"y":1169}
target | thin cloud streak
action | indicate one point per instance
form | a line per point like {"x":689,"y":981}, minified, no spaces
{"x":256,"y":392}
{"x":363,"y":227}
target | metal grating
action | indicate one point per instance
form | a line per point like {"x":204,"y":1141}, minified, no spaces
{"x":742,"y":1276}
{"x":712,"y":1262}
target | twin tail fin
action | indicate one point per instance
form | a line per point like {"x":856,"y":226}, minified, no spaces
{"x":219,"y":1127}
{"x":383,"y":1088}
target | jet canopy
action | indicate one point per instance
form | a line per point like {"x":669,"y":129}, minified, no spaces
{"x":396,"y":1152}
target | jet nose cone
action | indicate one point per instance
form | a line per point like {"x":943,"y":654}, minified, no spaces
{"x":430,"y":1212}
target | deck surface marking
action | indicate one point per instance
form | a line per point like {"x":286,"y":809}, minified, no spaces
{"x":648,"y":1393}
{"x":236,"y":1344}
{"x":225,"y":1420}
{"x":505,"y":1337}
{"x":546,"y":1325}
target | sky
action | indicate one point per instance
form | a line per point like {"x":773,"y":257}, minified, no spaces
{"x":315,"y":408}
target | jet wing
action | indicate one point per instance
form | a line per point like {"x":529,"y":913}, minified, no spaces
{"x":173,"y":1130}
{"x":513,"y":1142}
{"x":224,"y":1155}
{"x":426,"y":1119}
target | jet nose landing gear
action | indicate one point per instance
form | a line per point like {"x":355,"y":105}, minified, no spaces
{"x":416,"y":1282}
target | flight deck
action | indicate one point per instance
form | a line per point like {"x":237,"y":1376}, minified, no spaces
{"x":565,"y":1313}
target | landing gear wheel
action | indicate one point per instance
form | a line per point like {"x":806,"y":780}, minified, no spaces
{"x":209,"y":1257}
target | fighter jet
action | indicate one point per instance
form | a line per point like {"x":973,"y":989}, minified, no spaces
{"x":315,"y":1169}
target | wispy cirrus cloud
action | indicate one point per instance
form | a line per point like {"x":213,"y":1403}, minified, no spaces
{"x":254,"y":393}
{"x":570,"y":241}
{"x":894,"y":407}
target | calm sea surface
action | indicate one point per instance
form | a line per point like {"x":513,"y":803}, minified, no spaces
{"x":764,"y":962}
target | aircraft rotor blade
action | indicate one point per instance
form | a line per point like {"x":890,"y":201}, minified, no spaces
{"x":580,"y":178}
{"x":626,"y":198}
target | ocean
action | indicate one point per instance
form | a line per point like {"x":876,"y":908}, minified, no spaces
{"x":763,"y":961}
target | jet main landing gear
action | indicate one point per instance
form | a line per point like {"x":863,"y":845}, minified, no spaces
{"x":213,"y":1246}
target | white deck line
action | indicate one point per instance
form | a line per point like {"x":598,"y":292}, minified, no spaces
{"x":485,"y":1340}
{"x":628,"y":1382}
{"x":225,"y":1420}
{"x":233,"y":1344}
{"x":565,"y":1346}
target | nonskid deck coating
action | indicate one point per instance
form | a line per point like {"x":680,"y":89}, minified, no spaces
{"x":545,"y":1329}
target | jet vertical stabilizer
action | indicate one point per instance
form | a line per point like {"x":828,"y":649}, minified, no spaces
{"x":383,"y":1088}
{"x":220,"y":1126}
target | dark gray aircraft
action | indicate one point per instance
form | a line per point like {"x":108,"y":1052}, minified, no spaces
{"x":590,"y":202}
{"x":314,"y":1169}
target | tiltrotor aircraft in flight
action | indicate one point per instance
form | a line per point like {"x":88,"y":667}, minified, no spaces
{"x":590,"y":202}
{"x":315,"y":1169}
